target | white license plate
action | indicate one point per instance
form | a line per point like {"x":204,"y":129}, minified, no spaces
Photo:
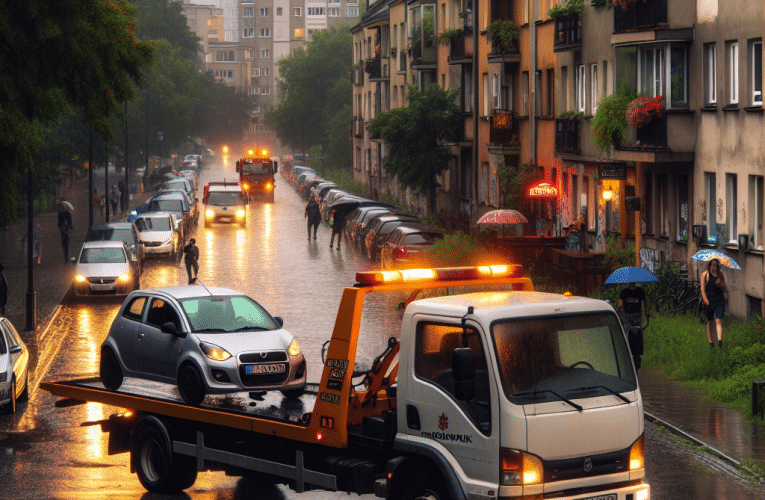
{"x":102,"y":287}
{"x":610,"y":496}
{"x":260,"y":369}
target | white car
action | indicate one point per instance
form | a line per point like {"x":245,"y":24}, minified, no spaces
{"x":105,"y":268}
{"x":206,"y":340}
{"x":158,"y":233}
{"x":225,"y":202}
{"x":14,"y":367}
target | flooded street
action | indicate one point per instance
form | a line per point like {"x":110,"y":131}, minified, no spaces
{"x":48,"y":452}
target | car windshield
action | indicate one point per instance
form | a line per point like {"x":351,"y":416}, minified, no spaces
{"x":256,"y":168}
{"x":166,"y":206}
{"x":227,"y":314}
{"x":225,"y":198}
{"x":102,"y":256}
{"x":153,"y":224}
{"x":542,"y":359}
{"x":111,"y":234}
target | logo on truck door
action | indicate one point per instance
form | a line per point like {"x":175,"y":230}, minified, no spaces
{"x":443,"y":424}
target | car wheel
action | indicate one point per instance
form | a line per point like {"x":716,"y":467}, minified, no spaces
{"x":190,"y":385}
{"x":293,"y":393}
{"x":159,"y":469}
{"x":110,"y":371}
{"x":10,"y":406}
{"x":24,"y":396}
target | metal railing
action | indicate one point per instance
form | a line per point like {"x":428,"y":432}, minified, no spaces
{"x":461,"y":47}
{"x":653,"y":135}
{"x":504,"y":128}
{"x":568,"y":31}
{"x":567,"y":136}
{"x":641,"y":16}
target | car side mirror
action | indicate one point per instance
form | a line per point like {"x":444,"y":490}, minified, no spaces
{"x":463,"y":370}
{"x":15,"y":349}
{"x":279,"y":320}
{"x":171,"y":329}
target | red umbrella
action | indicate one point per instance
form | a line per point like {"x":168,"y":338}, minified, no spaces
{"x":503,"y":216}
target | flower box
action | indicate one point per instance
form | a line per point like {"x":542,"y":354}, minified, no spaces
{"x":644,"y":110}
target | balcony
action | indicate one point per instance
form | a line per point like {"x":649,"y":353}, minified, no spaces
{"x":641,"y":16}
{"x":358,"y":126}
{"x":653,"y":144}
{"x":567,"y":136}
{"x":503,"y":35}
{"x":568,"y":33}
{"x":377,"y":68}
{"x":503,"y":132}
{"x":461,"y":49}
{"x":653,"y":135}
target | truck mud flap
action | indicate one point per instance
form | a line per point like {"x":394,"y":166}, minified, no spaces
{"x":355,"y":474}
{"x":296,"y":473}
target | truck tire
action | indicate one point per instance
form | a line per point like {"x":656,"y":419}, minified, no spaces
{"x":428,"y":486}
{"x":190,"y":385}
{"x":159,"y":469}
{"x":110,"y":371}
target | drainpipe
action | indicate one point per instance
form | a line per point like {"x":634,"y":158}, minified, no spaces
{"x":474,"y":176}
{"x":533,"y":86}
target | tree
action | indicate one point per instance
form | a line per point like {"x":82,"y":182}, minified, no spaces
{"x":416,"y":135}
{"x":162,"y":20}
{"x":308,"y":84}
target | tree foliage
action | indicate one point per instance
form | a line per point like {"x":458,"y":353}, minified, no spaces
{"x":416,"y":135}
{"x":160,"y":19}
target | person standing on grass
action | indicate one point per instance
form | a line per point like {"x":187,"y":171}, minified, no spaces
{"x":712,"y":290}
{"x":191,"y":259}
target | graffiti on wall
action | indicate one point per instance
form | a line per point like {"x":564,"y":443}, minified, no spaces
{"x":650,"y":259}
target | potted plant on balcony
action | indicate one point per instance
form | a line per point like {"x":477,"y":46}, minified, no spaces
{"x":625,"y":4}
{"x":609,"y":125}
{"x":447,"y":36}
{"x":504,"y":36}
{"x":567,"y":7}
{"x":644,"y":110}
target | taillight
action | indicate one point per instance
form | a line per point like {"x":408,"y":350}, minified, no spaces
{"x":399,"y":253}
{"x":519,"y":468}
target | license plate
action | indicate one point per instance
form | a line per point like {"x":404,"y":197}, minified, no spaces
{"x":260,"y":369}
{"x":102,"y":287}
{"x":610,"y":496}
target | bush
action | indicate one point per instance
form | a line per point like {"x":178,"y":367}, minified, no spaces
{"x":609,"y":126}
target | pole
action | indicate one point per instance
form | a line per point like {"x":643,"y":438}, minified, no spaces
{"x":126,"y":194}
{"x":31,"y":317}
{"x":106,"y":182}
{"x":90,"y":179}
{"x":474,"y":174}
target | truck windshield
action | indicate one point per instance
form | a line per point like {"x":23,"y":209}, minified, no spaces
{"x":256,"y":168}
{"x":227,"y":314}
{"x":225,"y":198}
{"x":573,"y":356}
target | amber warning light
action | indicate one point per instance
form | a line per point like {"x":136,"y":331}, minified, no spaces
{"x":439,"y":274}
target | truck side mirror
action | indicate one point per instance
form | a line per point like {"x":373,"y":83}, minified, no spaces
{"x":463,"y":370}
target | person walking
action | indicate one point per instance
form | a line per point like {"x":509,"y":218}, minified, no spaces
{"x":191,"y":259}
{"x":115,"y":199}
{"x":712,"y":293}
{"x":631,"y":306}
{"x":338,"y":223}
{"x":123,"y":195}
{"x":3,"y":291}
{"x":313,"y":214}
{"x":64,"y":226}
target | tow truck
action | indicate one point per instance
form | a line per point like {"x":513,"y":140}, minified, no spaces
{"x":256,"y":174}
{"x":490,"y":391}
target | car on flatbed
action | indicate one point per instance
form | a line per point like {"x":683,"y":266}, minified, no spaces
{"x":206,"y":340}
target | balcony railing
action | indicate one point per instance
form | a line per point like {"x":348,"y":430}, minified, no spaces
{"x":504,"y":129}
{"x":568,"y":32}
{"x":375,"y":68}
{"x":461,"y":47}
{"x":358,"y":126}
{"x":567,"y":136}
{"x":641,"y":16}
{"x":652,"y":135}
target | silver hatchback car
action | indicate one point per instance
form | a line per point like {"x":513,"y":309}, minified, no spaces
{"x":205,"y":340}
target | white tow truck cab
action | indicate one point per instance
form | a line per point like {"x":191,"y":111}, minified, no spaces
{"x":485,"y":395}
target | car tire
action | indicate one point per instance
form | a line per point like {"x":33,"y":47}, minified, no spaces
{"x":24,"y":396}
{"x":109,"y":370}
{"x":10,"y":406}
{"x":159,"y":469}
{"x":293,"y":393}
{"x":190,"y":385}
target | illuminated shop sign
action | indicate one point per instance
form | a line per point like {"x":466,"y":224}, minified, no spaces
{"x":543,"y":190}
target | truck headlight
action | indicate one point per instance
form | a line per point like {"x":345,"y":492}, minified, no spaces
{"x":214,"y":352}
{"x":125,"y":277}
{"x":519,"y":468}
{"x":239,"y":213}
{"x":80,"y":278}
{"x":209,"y":213}
{"x":294,"y":348}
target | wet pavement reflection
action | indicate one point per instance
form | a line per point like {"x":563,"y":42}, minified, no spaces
{"x":49,"y":452}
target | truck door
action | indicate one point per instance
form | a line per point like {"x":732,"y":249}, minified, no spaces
{"x":469,"y":430}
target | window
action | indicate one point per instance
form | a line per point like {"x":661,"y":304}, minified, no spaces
{"x":248,"y":33}
{"x":550,"y":98}
{"x":264,"y":53}
{"x":580,"y":89}
{"x":334,"y":1}
{"x":525,"y":86}
{"x":266,"y":90}
{"x":710,"y":74}
{"x":710,"y":190}
{"x":264,"y":33}
{"x":230,"y":73}
{"x":733,"y":72}
{"x":537,"y":93}
{"x":315,"y":11}
{"x":255,"y":71}
{"x":564,"y":88}
{"x":160,"y":313}
{"x":278,"y":11}
{"x":264,"y":12}
{"x":756,"y":203}
{"x":248,"y":11}
{"x":133,"y":311}
{"x":594,"y":98}
{"x":755,"y":69}
{"x":224,"y":56}
{"x":248,"y":21}
{"x":731,"y":205}
{"x":265,"y":71}
{"x":682,"y":206}
{"x":659,"y":70}
{"x":652,"y":71}
{"x":297,"y":11}
{"x":333,"y":12}
{"x":299,"y":33}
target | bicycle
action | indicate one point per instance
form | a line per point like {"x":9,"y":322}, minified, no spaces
{"x":684,"y":296}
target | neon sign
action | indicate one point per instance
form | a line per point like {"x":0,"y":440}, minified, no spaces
{"x":543,"y":190}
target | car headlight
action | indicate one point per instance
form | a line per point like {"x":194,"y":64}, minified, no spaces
{"x":169,"y":240}
{"x":209,"y":213}
{"x":246,"y":186}
{"x":214,"y":352}
{"x":80,"y":278}
{"x":239,"y":213}
{"x":124,"y":277}
{"x":294,"y":348}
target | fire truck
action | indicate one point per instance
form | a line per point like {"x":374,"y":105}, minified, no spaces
{"x":493,"y":391}
{"x":256,"y":174}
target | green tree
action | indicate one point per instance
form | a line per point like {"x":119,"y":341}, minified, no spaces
{"x":160,"y":19}
{"x":416,"y":135}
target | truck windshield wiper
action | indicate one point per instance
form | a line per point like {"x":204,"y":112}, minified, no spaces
{"x":623,"y":398}
{"x":579,"y":408}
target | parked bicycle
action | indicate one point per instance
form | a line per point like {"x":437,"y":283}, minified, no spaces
{"x":683,"y":296}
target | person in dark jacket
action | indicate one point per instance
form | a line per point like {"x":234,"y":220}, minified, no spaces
{"x":338,"y":223}
{"x":313,"y":214}
{"x":191,"y":259}
{"x":64,"y":226}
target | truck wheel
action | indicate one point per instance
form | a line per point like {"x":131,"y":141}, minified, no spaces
{"x":190,"y":385}
{"x":109,"y":368}
{"x":427,"y":486}
{"x":158,"y":468}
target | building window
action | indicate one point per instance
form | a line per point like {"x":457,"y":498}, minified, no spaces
{"x":731,"y":205}
{"x":525,"y":93}
{"x":660,"y":70}
{"x":265,"y":33}
{"x":224,"y":56}
{"x":594,"y":87}
{"x":580,"y":89}
{"x":537,"y":93}
{"x":264,"y":12}
{"x":278,"y":11}
{"x":710,"y":74}
{"x":248,"y":33}
{"x":299,"y":33}
{"x":755,"y":68}
{"x":265,"y":71}
{"x":248,"y":11}
{"x":231,"y":73}
{"x":266,"y":90}
{"x":710,"y":188}
{"x":334,"y":1}
{"x":315,"y":11}
{"x":264,"y":53}
{"x":333,"y":12}
{"x":297,"y":11}
{"x":682,"y":208}
{"x":255,"y":71}
{"x":733,"y":72}
{"x":564,"y":88}
{"x":756,"y":203}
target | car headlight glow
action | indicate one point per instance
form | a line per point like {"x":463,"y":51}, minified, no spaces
{"x":124,"y":277}
{"x":80,"y":278}
{"x":294,"y":348}
{"x":209,"y":213}
{"x":214,"y":352}
{"x":246,"y":186}
{"x":239,"y":213}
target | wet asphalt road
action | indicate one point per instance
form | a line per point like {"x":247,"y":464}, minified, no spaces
{"x":46,"y":452}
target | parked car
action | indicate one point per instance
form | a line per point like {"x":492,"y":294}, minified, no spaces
{"x":190,"y":174}
{"x":177,"y":204}
{"x":156,"y":178}
{"x":296,"y":172}
{"x":381,"y":228}
{"x":367,"y":221}
{"x":184,"y":185}
{"x":126,"y":232}
{"x":206,"y":340}
{"x":157,"y":230}
{"x":405,"y":245}
{"x":105,"y":268}
{"x":14,"y":367}
{"x":310,"y":185}
{"x":357,"y":220}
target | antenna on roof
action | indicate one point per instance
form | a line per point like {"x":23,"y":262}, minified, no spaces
{"x":197,"y":280}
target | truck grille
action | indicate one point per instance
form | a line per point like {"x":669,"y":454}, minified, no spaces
{"x":574,"y":468}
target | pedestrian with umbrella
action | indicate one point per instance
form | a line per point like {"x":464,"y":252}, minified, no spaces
{"x":313,"y":214}
{"x":713,"y":290}
{"x":65,"y":225}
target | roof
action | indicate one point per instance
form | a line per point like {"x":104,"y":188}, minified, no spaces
{"x":104,"y":244}
{"x":170,"y":195}
{"x":417,"y":227}
{"x":149,"y":215}
{"x":236,"y":188}
{"x":111,"y":225}
{"x":191,"y":291}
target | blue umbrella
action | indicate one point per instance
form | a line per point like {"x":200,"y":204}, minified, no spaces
{"x":631,"y":275}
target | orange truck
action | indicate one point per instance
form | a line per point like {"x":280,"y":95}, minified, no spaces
{"x":256,"y":174}
{"x":489,"y":390}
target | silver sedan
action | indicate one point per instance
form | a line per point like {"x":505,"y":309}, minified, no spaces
{"x":14,"y":367}
{"x":158,"y":233}
{"x":105,"y":268}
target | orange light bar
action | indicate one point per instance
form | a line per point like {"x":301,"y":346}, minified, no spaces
{"x":439,"y":274}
